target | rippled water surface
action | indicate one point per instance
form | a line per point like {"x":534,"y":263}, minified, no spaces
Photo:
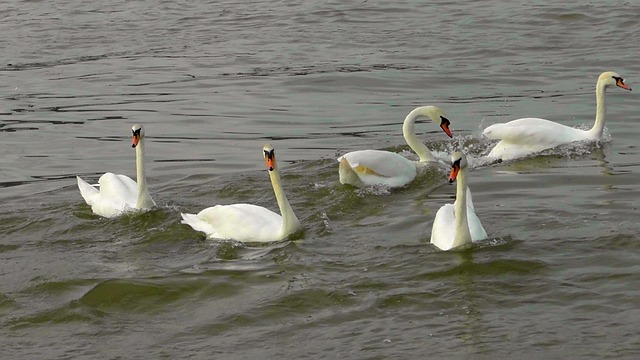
{"x":212,"y":82}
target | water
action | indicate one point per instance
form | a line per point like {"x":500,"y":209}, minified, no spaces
{"x":213,"y":82}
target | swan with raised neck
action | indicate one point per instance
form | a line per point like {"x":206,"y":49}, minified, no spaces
{"x":118,"y":194}
{"x":456,"y":225}
{"x":526,"y":136}
{"x":248,"y":222}
{"x":144,"y":198}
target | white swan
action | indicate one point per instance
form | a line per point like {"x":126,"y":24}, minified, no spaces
{"x":522,"y":137}
{"x":247,"y":222}
{"x":457,"y":224}
{"x":376,"y":167}
{"x":118,"y":193}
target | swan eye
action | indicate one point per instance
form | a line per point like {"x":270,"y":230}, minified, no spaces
{"x":136,"y":132}
{"x":269,"y":154}
{"x":444,"y":121}
{"x":456,"y":164}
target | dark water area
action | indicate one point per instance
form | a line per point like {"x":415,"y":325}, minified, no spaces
{"x":213,"y":82}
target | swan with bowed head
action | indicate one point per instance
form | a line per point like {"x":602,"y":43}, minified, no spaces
{"x":375,"y":167}
{"x":118,"y":194}
{"x":526,"y":136}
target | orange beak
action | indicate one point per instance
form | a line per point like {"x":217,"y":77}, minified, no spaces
{"x":454,"y":172}
{"x":621,"y":84}
{"x":445,"y":125}
{"x":134,"y":140}
{"x":445,"y":128}
{"x":271,"y":162}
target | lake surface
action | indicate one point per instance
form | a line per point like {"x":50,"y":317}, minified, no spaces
{"x":212,"y":82}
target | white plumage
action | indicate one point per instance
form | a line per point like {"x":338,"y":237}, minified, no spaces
{"x":526,"y":136}
{"x":377,"y":167}
{"x":117,"y":194}
{"x":457,"y":224}
{"x":247,"y":222}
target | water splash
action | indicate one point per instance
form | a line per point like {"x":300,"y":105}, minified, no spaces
{"x":377,"y":190}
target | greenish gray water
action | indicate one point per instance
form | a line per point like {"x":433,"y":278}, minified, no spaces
{"x":212,"y":83}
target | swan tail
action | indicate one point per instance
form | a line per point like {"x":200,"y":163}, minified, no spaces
{"x":88,"y":191}
{"x":197,"y":224}
{"x":347,"y":174}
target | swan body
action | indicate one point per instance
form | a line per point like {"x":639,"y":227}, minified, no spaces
{"x":457,"y":224}
{"x":118,"y":194}
{"x":247,"y":222}
{"x":522,"y":137}
{"x":376,"y":167}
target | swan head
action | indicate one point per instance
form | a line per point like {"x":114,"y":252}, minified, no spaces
{"x":458,"y":161}
{"x":138,"y":133}
{"x":432,"y":112}
{"x":611,"y":78}
{"x":437,"y":115}
{"x":269,"y":157}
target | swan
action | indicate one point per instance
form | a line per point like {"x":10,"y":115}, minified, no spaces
{"x":119,"y":193}
{"x":457,"y":224}
{"x":376,"y":167}
{"x":526,"y":136}
{"x":247,"y":222}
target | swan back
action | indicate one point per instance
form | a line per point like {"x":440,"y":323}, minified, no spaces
{"x":376,"y":167}
{"x":240,"y":222}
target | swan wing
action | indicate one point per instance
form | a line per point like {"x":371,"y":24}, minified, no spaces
{"x":240,"y":222}
{"x":89,"y":192}
{"x":443,"y":229}
{"x":470,"y":200}
{"x":534,"y":131}
{"x":522,"y":137}
{"x":116,"y":194}
{"x":475,"y":226}
{"x":376,"y":167}
{"x":118,"y":189}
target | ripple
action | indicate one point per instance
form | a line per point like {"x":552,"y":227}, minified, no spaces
{"x":149,"y":296}
{"x":491,"y":268}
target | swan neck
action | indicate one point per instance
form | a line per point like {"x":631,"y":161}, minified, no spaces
{"x":601,"y":110}
{"x":463,"y":235}
{"x":290,"y":222}
{"x":144,"y":199}
{"x":408,"y":130}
